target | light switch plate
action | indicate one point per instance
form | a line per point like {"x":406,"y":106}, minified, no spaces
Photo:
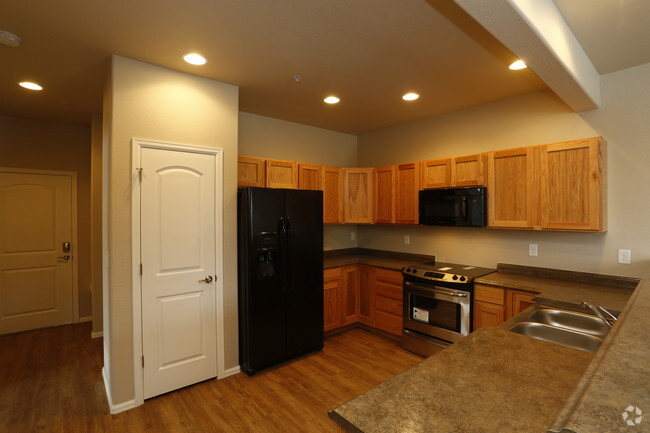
{"x":407,"y":239}
{"x":353,"y":236}
{"x":532,"y":250}
{"x":625,"y":257}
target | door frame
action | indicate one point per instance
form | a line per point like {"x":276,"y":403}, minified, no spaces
{"x":74,"y":240}
{"x":137,"y":144}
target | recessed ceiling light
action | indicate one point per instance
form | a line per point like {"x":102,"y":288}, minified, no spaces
{"x":519,"y":64}
{"x":332,"y":100}
{"x":410,"y":96}
{"x":9,"y":39}
{"x":194,"y":59}
{"x":30,"y":86}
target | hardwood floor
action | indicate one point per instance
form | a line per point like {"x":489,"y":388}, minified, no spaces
{"x":50,"y":381}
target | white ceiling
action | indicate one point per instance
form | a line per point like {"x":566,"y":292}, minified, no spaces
{"x":368,"y":52}
{"x":615,"y":34}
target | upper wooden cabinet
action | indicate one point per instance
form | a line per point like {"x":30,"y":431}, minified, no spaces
{"x":357,"y":195}
{"x":385,"y":194}
{"x":512,"y":188}
{"x":468,"y":170}
{"x":407,"y":179}
{"x":572,"y":185}
{"x":250,"y":171}
{"x":309,"y":176}
{"x":435,"y":173}
{"x":332,"y":184}
{"x":281,"y":174}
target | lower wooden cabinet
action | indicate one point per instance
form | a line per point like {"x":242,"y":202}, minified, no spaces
{"x":363,"y":294}
{"x":494,"y":305}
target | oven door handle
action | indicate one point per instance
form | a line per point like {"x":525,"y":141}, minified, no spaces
{"x":438,"y":290}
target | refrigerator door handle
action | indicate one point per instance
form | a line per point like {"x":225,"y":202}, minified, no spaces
{"x":283,"y":254}
{"x":289,"y":256}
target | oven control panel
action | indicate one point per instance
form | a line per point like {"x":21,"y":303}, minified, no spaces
{"x":433,"y":275}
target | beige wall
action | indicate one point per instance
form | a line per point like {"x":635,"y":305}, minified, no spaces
{"x":278,"y":139}
{"x":160,"y":104}
{"x":37,"y":144}
{"x":96,"y":223}
{"x":531,"y":119}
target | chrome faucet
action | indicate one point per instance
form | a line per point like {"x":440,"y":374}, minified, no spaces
{"x":601,"y":312}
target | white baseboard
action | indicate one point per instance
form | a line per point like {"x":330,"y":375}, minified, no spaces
{"x":85,"y":319}
{"x":98,"y":334}
{"x":231,"y":371}
{"x":115,"y":408}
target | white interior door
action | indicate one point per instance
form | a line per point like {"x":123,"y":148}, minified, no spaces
{"x":178,"y":256}
{"x":36,"y":281}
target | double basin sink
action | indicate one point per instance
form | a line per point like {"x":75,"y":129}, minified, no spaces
{"x":568,"y":328}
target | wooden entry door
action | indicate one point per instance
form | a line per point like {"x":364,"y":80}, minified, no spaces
{"x":36,"y":275}
{"x":178,"y":207}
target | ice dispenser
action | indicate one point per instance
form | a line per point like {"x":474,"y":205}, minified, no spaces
{"x":266,"y":247}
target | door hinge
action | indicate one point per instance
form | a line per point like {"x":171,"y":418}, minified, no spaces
{"x":139,"y":174}
{"x":140,"y":268}
{"x":142,"y":361}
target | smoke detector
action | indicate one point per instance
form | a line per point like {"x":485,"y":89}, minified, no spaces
{"x":9,"y":39}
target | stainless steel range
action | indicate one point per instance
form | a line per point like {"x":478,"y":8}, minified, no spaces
{"x":438,"y":300}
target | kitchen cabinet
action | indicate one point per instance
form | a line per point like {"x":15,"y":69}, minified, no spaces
{"x":309,"y":176}
{"x":388,"y":301}
{"x":367,"y":278}
{"x":435,"y":173}
{"x":493,"y":305}
{"x":385,"y":194}
{"x":512,"y":188}
{"x":407,"y":178}
{"x":358,"y":195}
{"x":468,"y":170}
{"x":331,"y":299}
{"x":349,"y":295}
{"x":573,"y":185}
{"x":251,"y":171}
{"x":281,"y":174}
{"x":332,"y":184}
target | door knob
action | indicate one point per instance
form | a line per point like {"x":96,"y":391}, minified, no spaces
{"x":66,"y":257}
{"x":207,"y":279}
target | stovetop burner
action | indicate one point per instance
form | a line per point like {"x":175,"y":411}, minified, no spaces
{"x":444,"y":272}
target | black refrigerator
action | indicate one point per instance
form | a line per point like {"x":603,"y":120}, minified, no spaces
{"x":280,"y":239}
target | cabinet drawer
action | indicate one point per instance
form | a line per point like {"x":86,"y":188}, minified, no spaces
{"x":332,"y":274}
{"x":388,"y":322}
{"x":388,"y":290}
{"x":493,"y":295}
{"x":390,"y":305}
{"x":394,"y":277}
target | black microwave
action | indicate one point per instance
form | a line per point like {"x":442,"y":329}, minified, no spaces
{"x":453,"y":207}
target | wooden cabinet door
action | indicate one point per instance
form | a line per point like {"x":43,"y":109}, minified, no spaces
{"x":309,"y":176}
{"x":331,"y":299}
{"x":512,"y":192}
{"x":406,"y":193}
{"x":572,"y":185}
{"x":385,"y":194}
{"x":332,"y":185}
{"x":435,"y":173}
{"x":281,"y":174}
{"x":349,"y":295}
{"x":367,"y":295}
{"x":518,"y":301}
{"x":486,"y":314}
{"x":357,"y":193}
{"x":250,"y":171}
{"x":468,"y":170}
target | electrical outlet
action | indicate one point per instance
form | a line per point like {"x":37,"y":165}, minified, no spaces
{"x":353,"y":236}
{"x":407,"y":239}
{"x":532,"y":250}
{"x":624,"y":257}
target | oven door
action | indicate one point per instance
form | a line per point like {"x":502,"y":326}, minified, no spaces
{"x":436,"y":311}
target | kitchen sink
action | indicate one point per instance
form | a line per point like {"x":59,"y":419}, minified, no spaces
{"x":568,"y":328}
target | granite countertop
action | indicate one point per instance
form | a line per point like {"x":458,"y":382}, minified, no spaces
{"x":491,"y":381}
{"x":497,"y":381}
{"x":381,"y":259}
